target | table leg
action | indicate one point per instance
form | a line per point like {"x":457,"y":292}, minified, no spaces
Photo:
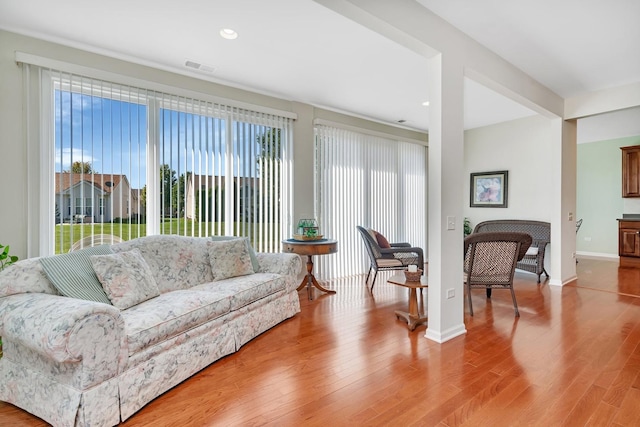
{"x":412,"y":317}
{"x":310,"y":280}
{"x":413,"y":302}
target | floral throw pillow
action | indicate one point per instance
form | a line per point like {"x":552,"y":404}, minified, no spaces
{"x":125,"y":277}
{"x":252,"y":252}
{"x":229,"y":258}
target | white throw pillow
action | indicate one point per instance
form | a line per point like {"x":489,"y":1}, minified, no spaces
{"x":229,"y":258}
{"x":125,"y":277}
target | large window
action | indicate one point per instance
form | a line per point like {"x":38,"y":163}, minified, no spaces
{"x":131,"y":162}
{"x":371,"y":181}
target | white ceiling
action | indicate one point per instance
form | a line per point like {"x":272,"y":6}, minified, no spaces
{"x":302,"y":51}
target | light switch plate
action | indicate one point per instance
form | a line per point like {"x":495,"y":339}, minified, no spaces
{"x":451,"y":223}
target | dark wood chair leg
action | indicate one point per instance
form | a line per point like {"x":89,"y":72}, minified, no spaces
{"x":515,"y":304}
{"x":375,"y":274}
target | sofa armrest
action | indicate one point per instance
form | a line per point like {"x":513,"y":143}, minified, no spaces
{"x":67,"y":330}
{"x":279,"y":263}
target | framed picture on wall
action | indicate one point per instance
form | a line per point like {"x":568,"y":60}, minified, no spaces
{"x":489,"y":189}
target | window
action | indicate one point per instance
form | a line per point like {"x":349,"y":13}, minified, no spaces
{"x":371,"y":181}
{"x":88,"y":206}
{"x":159,"y":163}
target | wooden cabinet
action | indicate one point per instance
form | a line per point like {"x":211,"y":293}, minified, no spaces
{"x":629,"y":243}
{"x":631,"y":171}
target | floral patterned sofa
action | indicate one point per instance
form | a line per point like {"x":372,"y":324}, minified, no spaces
{"x":173,"y":306}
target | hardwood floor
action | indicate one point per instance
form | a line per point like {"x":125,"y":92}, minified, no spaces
{"x":571,"y":359}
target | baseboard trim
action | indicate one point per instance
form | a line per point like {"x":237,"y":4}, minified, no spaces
{"x":447,"y":335}
{"x":554,"y":282}
{"x":597,"y":255}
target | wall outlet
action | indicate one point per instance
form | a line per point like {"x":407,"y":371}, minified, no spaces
{"x":587,"y":239}
{"x":451,"y":293}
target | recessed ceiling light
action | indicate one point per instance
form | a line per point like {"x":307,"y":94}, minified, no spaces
{"x":228,"y":33}
{"x":425,"y":104}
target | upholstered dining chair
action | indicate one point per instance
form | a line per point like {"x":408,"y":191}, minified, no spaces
{"x":396,"y":257}
{"x":490,"y":261}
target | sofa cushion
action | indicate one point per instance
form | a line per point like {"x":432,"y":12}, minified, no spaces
{"x":177,"y":262}
{"x":229,"y":258}
{"x":170,"y":314}
{"x":245,"y":290}
{"x":125,"y":277}
{"x":25,"y":276}
{"x":252,"y":252}
{"x":73,"y":276}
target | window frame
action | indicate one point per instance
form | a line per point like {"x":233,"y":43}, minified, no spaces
{"x":39,"y":82}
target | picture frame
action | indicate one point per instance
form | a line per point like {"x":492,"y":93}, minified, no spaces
{"x":489,"y":189}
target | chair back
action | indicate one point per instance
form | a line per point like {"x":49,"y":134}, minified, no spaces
{"x":370,"y":244}
{"x":490,"y":258}
{"x":540,"y":231}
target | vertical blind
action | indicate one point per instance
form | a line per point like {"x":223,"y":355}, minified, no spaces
{"x":100,"y":140}
{"x":371,"y":181}
{"x":129,"y":161}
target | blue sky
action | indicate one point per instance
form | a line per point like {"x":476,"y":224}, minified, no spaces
{"x":109,"y":134}
{"x":112,"y":136}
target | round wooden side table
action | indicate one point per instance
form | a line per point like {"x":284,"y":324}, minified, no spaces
{"x":311,"y":248}
{"x":416,"y":314}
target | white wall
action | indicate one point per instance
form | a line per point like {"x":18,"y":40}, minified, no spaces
{"x":613,"y":125}
{"x":599,"y":185}
{"x":520,"y":147}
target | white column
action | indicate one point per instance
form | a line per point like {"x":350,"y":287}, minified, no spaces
{"x":563,"y":219}
{"x":446,"y":144}
{"x":153,"y":169}
{"x":303,"y":168}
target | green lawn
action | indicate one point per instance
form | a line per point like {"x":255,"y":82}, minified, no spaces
{"x":67,"y":234}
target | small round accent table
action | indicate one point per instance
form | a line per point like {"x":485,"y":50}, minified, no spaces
{"x":311,"y":248}
{"x":416,"y":314}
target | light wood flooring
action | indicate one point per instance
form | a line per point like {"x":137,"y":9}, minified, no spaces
{"x":571,"y":359}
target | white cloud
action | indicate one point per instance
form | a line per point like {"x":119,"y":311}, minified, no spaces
{"x":65,"y":157}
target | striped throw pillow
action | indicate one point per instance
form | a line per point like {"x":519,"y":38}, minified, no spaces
{"x":73,"y":276}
